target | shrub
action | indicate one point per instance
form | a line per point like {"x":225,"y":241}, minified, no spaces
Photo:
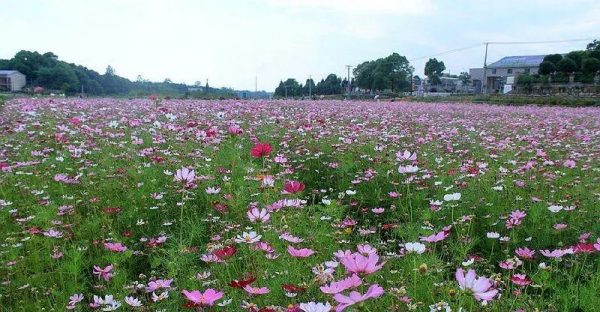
{"x":547,"y":68}
{"x":567,"y":66}
{"x":553,"y":58}
{"x":590,"y":66}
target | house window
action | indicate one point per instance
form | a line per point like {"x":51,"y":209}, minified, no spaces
{"x":528,"y":70}
{"x":509,"y":71}
{"x":493,"y":71}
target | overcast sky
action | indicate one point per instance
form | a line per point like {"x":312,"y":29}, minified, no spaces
{"x":231,"y":42}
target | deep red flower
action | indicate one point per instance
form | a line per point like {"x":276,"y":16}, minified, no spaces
{"x":261,"y":149}
{"x":293,"y":288}
{"x":242,"y":283}
{"x":293,"y":187}
{"x":225,"y":252}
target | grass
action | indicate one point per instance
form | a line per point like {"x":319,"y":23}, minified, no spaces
{"x":119,"y":158}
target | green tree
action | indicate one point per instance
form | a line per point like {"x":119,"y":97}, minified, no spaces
{"x":309,"y":87}
{"x":567,"y":66}
{"x":577,"y":57}
{"x":57,"y":77}
{"x":465,"y":78}
{"x":593,"y":46}
{"x":389,"y":73}
{"x":433,"y":70}
{"x":590,"y":65}
{"x":547,"y":68}
{"x":553,"y":58}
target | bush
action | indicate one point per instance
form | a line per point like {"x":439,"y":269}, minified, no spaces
{"x":547,"y":68}
{"x":584,"y":77}
{"x":590,"y":66}
{"x":566,"y":66}
{"x":552,"y":58}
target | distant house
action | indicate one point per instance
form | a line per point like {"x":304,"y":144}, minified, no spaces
{"x":11,"y":81}
{"x":509,"y":66}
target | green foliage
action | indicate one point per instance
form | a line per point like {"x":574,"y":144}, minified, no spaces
{"x":433,"y":70}
{"x":392,"y":72}
{"x":590,"y":65}
{"x":567,"y":66}
{"x":465,"y":78}
{"x":553,"y":58}
{"x":547,"y":67}
{"x":593,"y":46}
{"x":577,"y":57}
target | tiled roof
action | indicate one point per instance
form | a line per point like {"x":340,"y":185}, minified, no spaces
{"x":518,"y":61}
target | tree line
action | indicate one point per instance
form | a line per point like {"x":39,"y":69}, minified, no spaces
{"x":47,"y":71}
{"x":584,"y":61}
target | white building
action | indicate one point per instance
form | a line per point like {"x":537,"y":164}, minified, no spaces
{"x":509,"y":66}
{"x":11,"y":81}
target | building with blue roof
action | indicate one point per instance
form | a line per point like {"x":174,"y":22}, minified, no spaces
{"x":500,"y":72}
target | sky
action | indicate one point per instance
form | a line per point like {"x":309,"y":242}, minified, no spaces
{"x":235,"y":43}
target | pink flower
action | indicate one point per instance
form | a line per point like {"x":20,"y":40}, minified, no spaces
{"x":185,"y":175}
{"x":104,"y":273}
{"x":480,"y":286}
{"x":338,"y":287}
{"x":357,"y":263}
{"x":520,"y":279}
{"x":292,"y":187}
{"x":235,"y":130}
{"x":300,"y":253}
{"x":525,"y":253}
{"x":256,"y":290}
{"x":290,"y":238}
{"x":116,"y":247}
{"x":560,"y":226}
{"x":355,"y":297}
{"x":435,"y":237}
{"x":207,"y":298}
{"x":260,"y":150}
{"x":158,"y":284}
{"x":569,"y":164}
{"x":597,"y":244}
{"x":557,"y":253}
{"x":256,"y":215}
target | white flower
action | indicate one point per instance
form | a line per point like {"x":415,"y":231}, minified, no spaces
{"x":315,"y":307}
{"x":351,"y":192}
{"x":555,"y":208}
{"x":468,"y":262}
{"x":451,"y":197}
{"x":408,"y":169}
{"x":493,"y":235}
{"x":133,"y":302}
{"x":326,"y":201}
{"x":224,"y":303}
{"x":213,"y":190}
{"x":498,"y":188}
{"x":248,"y":238}
{"x":417,"y":248}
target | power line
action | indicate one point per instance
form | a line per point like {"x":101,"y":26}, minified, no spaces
{"x":540,"y":42}
{"x":446,"y":52}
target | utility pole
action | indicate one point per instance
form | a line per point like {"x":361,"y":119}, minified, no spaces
{"x":348,"y":67}
{"x":484,"y":80}
{"x":82,"y":91}
{"x":309,"y":85}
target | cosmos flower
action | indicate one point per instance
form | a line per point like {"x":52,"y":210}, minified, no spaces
{"x":185,"y":175}
{"x":480,"y":287}
{"x":355,"y":297}
{"x":300,"y":253}
{"x":248,"y":238}
{"x":261,"y":150}
{"x":207,"y":298}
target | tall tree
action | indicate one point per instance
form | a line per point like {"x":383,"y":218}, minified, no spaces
{"x":433,"y":70}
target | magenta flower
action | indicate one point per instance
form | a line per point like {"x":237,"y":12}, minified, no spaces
{"x":104,"y":273}
{"x":479,"y":286}
{"x":597,"y":245}
{"x":434,"y":237}
{"x":116,"y":247}
{"x":338,"y":287}
{"x":355,"y":297}
{"x":207,"y":298}
{"x":300,"y":253}
{"x":357,"y":263}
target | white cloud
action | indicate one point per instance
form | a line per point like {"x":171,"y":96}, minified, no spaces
{"x":384,"y":7}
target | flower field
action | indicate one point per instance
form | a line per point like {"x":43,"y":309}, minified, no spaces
{"x":150,"y":205}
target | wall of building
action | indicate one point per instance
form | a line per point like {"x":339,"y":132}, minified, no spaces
{"x":18,"y":81}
